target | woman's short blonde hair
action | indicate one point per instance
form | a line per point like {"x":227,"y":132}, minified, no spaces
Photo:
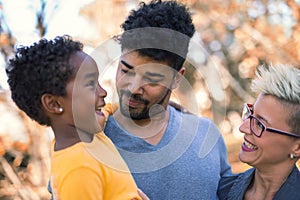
{"x":283,"y":82}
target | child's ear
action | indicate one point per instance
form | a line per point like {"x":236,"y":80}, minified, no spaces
{"x":51,"y":104}
{"x":178,"y":78}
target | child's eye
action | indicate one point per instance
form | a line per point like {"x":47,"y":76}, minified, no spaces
{"x":91,"y":83}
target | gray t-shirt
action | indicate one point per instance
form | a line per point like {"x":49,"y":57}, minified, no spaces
{"x":187,"y":163}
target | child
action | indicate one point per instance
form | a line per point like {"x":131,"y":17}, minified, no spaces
{"x":55,"y":83}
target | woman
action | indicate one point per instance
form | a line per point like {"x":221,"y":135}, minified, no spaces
{"x":271,"y":141}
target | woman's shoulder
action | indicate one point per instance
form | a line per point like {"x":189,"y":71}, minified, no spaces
{"x":234,"y":184}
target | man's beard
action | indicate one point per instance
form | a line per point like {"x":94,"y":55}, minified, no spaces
{"x":134,"y":113}
{"x":137,"y":114}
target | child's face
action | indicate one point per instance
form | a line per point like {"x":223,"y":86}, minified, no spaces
{"x":85,"y":97}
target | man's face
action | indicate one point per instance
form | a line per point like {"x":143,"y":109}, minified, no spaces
{"x":142,"y":84}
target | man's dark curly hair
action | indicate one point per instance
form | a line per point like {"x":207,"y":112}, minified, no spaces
{"x":39,"y":69}
{"x":159,"y":30}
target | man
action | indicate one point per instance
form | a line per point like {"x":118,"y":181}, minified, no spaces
{"x":172,"y":155}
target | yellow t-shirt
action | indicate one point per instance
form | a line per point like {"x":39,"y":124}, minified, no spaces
{"x":91,"y":171}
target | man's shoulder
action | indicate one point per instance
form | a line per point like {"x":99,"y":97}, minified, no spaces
{"x":112,"y":128}
{"x":192,"y":123}
{"x":110,"y":122}
{"x":190,"y":116}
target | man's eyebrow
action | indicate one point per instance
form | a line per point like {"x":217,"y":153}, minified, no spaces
{"x":147,"y":73}
{"x":127,"y":65}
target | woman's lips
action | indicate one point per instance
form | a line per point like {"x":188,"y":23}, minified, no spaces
{"x":248,"y":146}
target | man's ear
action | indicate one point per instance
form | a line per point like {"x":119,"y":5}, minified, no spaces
{"x":51,"y":103}
{"x":178,"y":78}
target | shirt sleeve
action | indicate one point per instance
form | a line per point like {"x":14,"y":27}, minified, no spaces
{"x":80,"y":184}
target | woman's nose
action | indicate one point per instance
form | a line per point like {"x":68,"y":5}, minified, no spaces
{"x":245,"y":127}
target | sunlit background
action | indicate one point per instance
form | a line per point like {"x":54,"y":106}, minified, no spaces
{"x":235,"y":37}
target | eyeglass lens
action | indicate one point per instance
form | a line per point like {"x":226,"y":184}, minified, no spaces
{"x":256,"y":126}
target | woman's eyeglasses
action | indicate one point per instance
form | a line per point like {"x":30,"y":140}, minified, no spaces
{"x":257,"y":127}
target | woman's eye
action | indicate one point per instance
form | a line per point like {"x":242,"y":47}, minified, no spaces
{"x":259,"y":124}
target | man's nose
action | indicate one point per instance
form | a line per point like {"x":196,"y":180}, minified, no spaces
{"x":136,"y":86}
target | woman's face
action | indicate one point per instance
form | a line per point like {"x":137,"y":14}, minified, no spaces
{"x":271,"y":148}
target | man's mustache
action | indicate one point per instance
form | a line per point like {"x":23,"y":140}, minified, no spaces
{"x":135,"y":97}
